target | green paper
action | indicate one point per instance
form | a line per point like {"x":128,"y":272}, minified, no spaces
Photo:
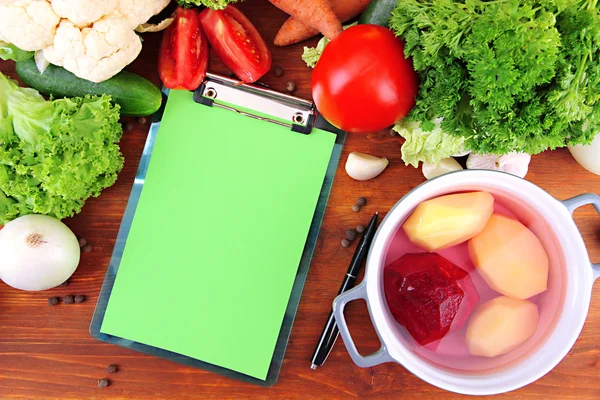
{"x":217,"y":236}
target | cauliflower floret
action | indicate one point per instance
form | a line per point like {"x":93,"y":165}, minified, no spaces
{"x":83,"y":13}
{"x":95,"y":53}
{"x":28,"y":24}
{"x":95,"y":39}
{"x":139,"y":11}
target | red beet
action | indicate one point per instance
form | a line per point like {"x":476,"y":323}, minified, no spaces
{"x":428,"y":295}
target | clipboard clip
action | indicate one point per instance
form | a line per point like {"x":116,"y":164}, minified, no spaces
{"x":257,"y":102}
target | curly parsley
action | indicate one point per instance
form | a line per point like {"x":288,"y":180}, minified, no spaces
{"x":507,"y":75}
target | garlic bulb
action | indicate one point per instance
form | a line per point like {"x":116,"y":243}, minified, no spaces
{"x":513,"y":163}
{"x":362,"y":166}
{"x":431,"y":170}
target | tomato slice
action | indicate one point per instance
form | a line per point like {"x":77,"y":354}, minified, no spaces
{"x":237,"y":42}
{"x":183,"y":57}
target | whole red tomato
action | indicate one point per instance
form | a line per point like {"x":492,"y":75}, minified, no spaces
{"x":363,"y":82}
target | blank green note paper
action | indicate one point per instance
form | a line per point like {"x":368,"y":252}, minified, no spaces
{"x":217,"y":236}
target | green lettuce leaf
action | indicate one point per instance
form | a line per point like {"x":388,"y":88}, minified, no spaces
{"x":312,"y":54}
{"x":11,"y":52}
{"x":54,"y":155}
{"x":427,"y":146}
{"x":214,"y":4}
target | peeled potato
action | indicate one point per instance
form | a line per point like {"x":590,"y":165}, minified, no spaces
{"x":501,"y":325}
{"x":449,"y":220}
{"x":510,"y":258}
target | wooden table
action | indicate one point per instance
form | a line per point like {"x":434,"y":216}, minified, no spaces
{"x":47,"y":352}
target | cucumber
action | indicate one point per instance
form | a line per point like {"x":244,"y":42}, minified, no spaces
{"x":137,"y":96}
{"x":378,"y":12}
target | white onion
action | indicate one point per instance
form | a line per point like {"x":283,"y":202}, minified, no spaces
{"x":37,"y":252}
{"x":588,"y":156}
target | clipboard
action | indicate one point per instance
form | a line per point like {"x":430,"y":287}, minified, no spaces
{"x":296,"y":117}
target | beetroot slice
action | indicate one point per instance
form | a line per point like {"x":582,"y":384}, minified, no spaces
{"x":428,"y":295}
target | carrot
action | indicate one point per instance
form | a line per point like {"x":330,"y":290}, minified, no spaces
{"x":317,"y":14}
{"x":293,"y":30}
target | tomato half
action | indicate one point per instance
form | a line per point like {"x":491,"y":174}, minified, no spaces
{"x":183,"y":57}
{"x":237,"y":42}
{"x":363,"y":82}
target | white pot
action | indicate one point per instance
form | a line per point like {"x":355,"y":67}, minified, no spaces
{"x":562,"y":240}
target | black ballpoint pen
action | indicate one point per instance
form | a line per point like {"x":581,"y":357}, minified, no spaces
{"x":331,"y":332}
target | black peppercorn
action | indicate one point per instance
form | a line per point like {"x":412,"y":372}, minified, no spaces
{"x":393,"y":132}
{"x":290,"y":86}
{"x":111,"y":369}
{"x":79,"y":298}
{"x":356,"y":208}
{"x":345,"y":242}
{"x":52,"y":301}
{"x":65,"y":283}
{"x":102,"y":383}
{"x":142,"y":120}
{"x":360,"y":228}
{"x":87,"y":248}
{"x":278,"y":71}
{"x":361,"y":201}
{"x":129,"y":127}
{"x":82,"y":242}
{"x":68,"y":299}
{"x":350,"y":234}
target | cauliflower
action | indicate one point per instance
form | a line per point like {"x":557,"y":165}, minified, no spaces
{"x":94,"y":39}
{"x":95,"y":53}
{"x":83,"y":13}
{"x":28,"y":24}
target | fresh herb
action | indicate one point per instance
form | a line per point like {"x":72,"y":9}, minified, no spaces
{"x":11,"y":52}
{"x":506,"y":75}
{"x":312,"y":54}
{"x":54,"y":155}
{"x":425,"y":146}
{"x":214,"y":4}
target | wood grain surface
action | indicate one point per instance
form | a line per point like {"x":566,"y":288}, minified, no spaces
{"x":48,"y":353}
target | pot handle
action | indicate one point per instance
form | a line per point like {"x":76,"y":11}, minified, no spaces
{"x":583,"y":199}
{"x":339,"y":303}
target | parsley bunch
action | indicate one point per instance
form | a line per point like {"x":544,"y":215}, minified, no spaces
{"x":507,"y":75}
{"x":214,"y":4}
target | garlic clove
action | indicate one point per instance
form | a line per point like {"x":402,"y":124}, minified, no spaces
{"x":40,"y":61}
{"x":164,"y":24}
{"x":362,"y":166}
{"x":432,"y":170}
{"x":512,"y":163}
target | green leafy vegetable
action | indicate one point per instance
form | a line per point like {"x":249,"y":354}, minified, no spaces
{"x":55,"y":154}
{"x":427,"y":146}
{"x":11,"y":52}
{"x":312,"y":54}
{"x":214,"y":4}
{"x":507,"y":75}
